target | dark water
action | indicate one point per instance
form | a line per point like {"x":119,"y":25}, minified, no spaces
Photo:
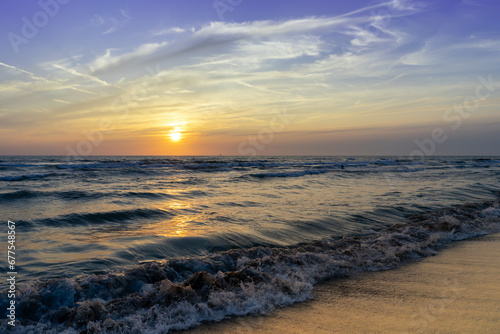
{"x":179,"y":240}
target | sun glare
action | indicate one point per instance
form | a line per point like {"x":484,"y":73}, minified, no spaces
{"x":175,"y":134}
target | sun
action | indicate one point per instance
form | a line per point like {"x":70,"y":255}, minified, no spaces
{"x":175,"y":134}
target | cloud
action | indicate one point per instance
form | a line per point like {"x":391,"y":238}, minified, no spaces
{"x":81,"y":75}
{"x":363,"y":38}
{"x":305,"y":25}
{"x":15,"y":68}
{"x":19,"y":70}
{"x":113,"y":23}
{"x":173,"y":30}
{"x":259,"y":29}
{"x":250,"y":56}
{"x":61,"y":101}
{"x":108,"y":60}
{"x":32,"y":83}
{"x":240,"y":70}
{"x":97,"y":20}
{"x":418,"y":58}
{"x":406,"y":5}
{"x":282,"y":48}
{"x":113,"y":28}
{"x":218,"y":38}
{"x":125,"y":14}
{"x":437,"y":50}
{"x":257,"y":55}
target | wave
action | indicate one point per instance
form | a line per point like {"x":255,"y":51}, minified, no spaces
{"x":289,"y":174}
{"x":16,"y":165}
{"x":322,"y":170}
{"x":27,"y":177}
{"x":65,"y":195}
{"x":97,"y":165}
{"x":75,"y":195}
{"x":293,"y":167}
{"x":181,"y":293}
{"x":230,"y":162}
{"x":83,"y":219}
{"x":16,"y":195}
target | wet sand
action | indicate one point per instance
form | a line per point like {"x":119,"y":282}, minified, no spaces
{"x":457,"y":291}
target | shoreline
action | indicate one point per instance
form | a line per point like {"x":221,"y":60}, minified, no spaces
{"x":456,"y":291}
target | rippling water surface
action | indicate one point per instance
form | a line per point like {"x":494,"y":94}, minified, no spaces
{"x":81,"y":217}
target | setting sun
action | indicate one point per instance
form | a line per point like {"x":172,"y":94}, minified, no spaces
{"x":175,"y":134}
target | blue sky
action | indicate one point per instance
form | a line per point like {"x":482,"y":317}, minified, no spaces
{"x":249,"y":77}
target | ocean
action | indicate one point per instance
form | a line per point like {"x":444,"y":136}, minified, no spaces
{"x":159,"y":243}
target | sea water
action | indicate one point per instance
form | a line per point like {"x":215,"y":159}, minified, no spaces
{"x":124,"y":244}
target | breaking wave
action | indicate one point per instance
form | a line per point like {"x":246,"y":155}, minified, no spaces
{"x":181,"y":293}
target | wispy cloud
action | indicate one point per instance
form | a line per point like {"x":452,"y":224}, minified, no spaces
{"x":16,"y":69}
{"x":111,"y":24}
{"x":125,"y":14}
{"x":258,"y":29}
{"x":113,"y":28}
{"x":61,"y":101}
{"x":262,"y":38}
{"x":108,"y":60}
{"x":262,"y":56}
{"x":19,"y":70}
{"x":168,"y":31}
{"x":81,"y":75}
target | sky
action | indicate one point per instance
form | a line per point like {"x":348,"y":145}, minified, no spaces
{"x":249,"y":77}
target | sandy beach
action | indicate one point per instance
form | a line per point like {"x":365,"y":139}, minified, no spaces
{"x":456,"y":291}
